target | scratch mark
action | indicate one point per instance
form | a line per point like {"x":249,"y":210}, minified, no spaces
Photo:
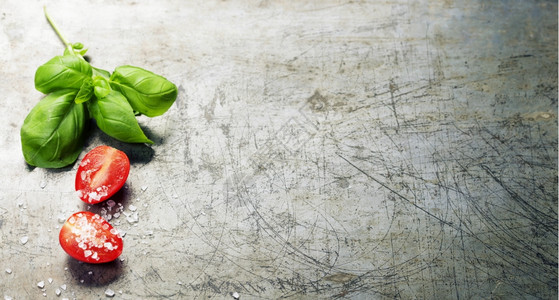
{"x":450,"y":224}
{"x":393,"y":87}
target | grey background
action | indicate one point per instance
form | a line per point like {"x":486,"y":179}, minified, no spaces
{"x":320,"y":149}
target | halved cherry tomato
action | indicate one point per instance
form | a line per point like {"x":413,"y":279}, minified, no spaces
{"x":101,"y":173}
{"x":87,"y":237}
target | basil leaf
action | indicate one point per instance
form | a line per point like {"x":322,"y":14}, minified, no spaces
{"x":101,"y":86}
{"x":86,"y":91}
{"x":100,"y":72}
{"x":62,"y":72}
{"x":52,"y":134}
{"x":115,"y":117}
{"x":148,"y":93}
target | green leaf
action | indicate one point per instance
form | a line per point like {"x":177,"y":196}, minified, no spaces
{"x":115,"y":117}
{"x":53,"y":132}
{"x":101,"y":86}
{"x":148,"y":93}
{"x":100,"y":72}
{"x":62,"y":72}
{"x":86,"y":91}
{"x":77,"y":46}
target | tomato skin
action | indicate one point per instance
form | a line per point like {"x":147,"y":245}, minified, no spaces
{"x":101,"y":173}
{"x":87,"y":237}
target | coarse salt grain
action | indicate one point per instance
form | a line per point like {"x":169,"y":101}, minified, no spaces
{"x":9,"y":271}
{"x":132,"y":208}
{"x":58,"y":292}
{"x":133,"y":218}
{"x":41,"y":284}
{"x":24,"y":240}
{"x":109,"y":293}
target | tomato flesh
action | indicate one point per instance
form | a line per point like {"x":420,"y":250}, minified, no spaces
{"x":101,"y":173}
{"x":87,"y":237}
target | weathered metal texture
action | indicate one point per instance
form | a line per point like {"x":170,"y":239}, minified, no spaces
{"x":350,"y":149}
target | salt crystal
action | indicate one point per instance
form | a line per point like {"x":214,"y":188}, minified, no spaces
{"x":50,"y":280}
{"x":41,"y":284}
{"x":24,"y":240}
{"x":61,"y":219}
{"x":43,"y":184}
{"x":236,"y":295}
{"x":58,"y":292}
{"x":144,"y":188}
{"x":90,"y":273}
{"x":8,"y":298}
{"x":9,"y":271}
{"x":132,"y":218}
{"x":116,"y":215}
{"x":111,"y":203}
{"x":63,"y":286}
{"x":132,"y":208}
{"x":44,"y":294}
{"x":109,"y":293}
{"x":84,"y":162}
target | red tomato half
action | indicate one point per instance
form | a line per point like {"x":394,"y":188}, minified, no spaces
{"x":101,"y":173}
{"x":87,"y":237}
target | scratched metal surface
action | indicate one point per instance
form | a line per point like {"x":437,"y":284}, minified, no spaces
{"x":344,"y":149}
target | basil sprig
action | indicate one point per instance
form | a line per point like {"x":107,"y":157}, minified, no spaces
{"x":54,"y":131}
